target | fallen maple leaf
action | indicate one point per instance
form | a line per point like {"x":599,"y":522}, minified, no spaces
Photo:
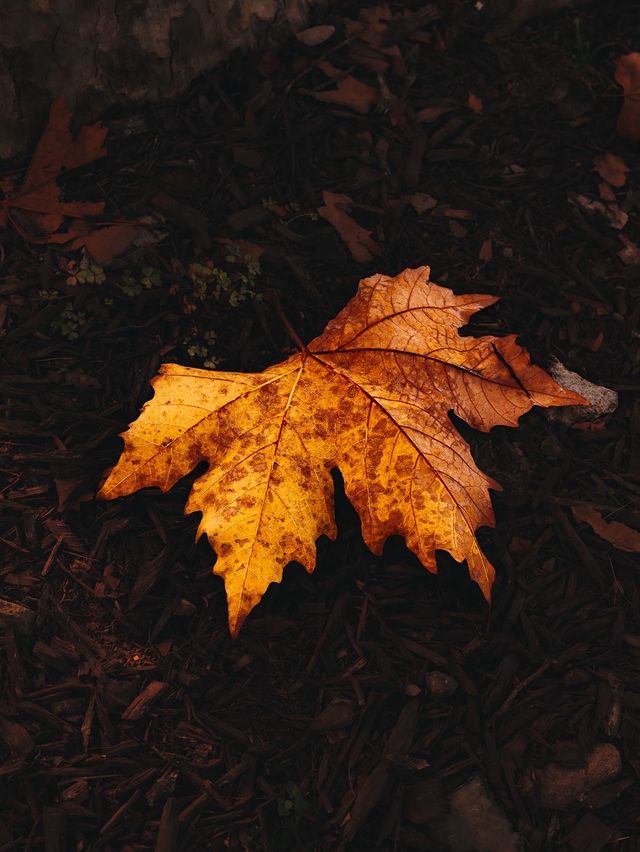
{"x":371,"y":396}
{"x":359,"y":241}
{"x":619,"y":535}
{"x":627,"y":75}
{"x":36,"y":210}
{"x":38,"y":199}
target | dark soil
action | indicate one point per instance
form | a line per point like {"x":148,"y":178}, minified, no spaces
{"x":128,"y":718}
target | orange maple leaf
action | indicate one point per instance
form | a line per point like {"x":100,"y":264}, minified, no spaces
{"x":371,"y":396}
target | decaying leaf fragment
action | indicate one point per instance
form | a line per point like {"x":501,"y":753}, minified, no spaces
{"x":370,"y":396}
{"x":627,"y":75}
{"x":359,"y":241}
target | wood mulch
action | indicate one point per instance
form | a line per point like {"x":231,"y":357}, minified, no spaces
{"x":361,"y":704}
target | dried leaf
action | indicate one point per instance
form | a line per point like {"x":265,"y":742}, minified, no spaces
{"x":619,"y":535}
{"x":376,"y":20}
{"x":421,"y":202}
{"x":349,"y":91}
{"x":368,"y":57}
{"x":606,"y":192}
{"x":103,"y":244}
{"x":457,"y":229}
{"x":455,"y":213}
{"x":38,"y":199}
{"x":371,"y":396}
{"x":486,"y":251}
{"x":616,"y":217}
{"x":313,"y":36}
{"x":630,"y":254}
{"x":431,"y":113}
{"x":374,"y":36}
{"x":475,"y":103}
{"x":359,"y":241}
{"x":37,"y":212}
{"x":611,"y":168}
{"x":627,"y":75}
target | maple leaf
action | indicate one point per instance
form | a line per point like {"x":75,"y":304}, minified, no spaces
{"x":38,"y":199}
{"x":371,"y":397}
{"x":36,"y":210}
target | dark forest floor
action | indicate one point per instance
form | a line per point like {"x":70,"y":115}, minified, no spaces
{"x":324,"y":724}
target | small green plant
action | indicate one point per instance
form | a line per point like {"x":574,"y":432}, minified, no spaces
{"x":150,"y":277}
{"x":48,"y":295}
{"x":200,"y":347}
{"x":233,"y":285}
{"x":85,"y":272}
{"x":293,"y":803}
{"x":132,"y":285}
{"x":70,"y":323}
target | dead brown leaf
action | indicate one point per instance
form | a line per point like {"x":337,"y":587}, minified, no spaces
{"x":349,"y":91}
{"x":616,"y":217}
{"x":36,"y":210}
{"x":38,"y":213}
{"x":314,"y":36}
{"x":358,"y":240}
{"x":605,"y":191}
{"x":431,"y":113}
{"x":475,"y":103}
{"x":456,"y":213}
{"x":612,"y":169}
{"x":457,"y":229}
{"x":486,"y":251}
{"x":368,"y":57}
{"x":103,"y":244}
{"x":421,"y":202}
{"x":630,"y":254}
{"x":627,"y":75}
{"x":619,"y":535}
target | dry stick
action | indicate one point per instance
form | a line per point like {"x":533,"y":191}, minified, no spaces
{"x":52,"y":555}
{"x":580,"y":548}
{"x":515,"y":692}
{"x":274,"y":298}
{"x":117,"y":816}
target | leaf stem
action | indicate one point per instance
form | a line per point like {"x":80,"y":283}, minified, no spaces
{"x":273,"y":296}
